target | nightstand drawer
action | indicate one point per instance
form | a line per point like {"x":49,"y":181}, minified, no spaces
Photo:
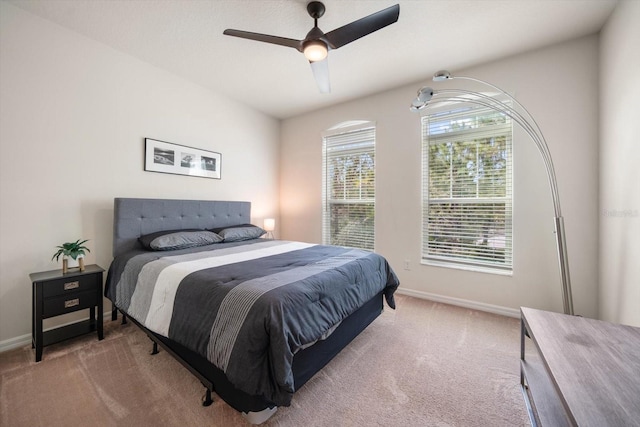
{"x":69,"y":285}
{"x":69,"y":303}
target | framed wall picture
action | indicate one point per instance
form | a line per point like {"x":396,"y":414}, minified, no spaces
{"x":165,"y":157}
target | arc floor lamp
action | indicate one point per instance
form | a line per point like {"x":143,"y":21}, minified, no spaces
{"x":429,"y":97}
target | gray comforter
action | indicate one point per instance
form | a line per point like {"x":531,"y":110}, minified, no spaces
{"x":248,"y":307}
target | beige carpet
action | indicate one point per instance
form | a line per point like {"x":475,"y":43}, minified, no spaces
{"x":425,"y":364}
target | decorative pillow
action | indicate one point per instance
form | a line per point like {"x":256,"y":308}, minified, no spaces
{"x":236,"y":233}
{"x":178,"y":239}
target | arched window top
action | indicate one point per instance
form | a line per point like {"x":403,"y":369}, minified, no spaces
{"x":348,"y":126}
{"x":349,"y":123}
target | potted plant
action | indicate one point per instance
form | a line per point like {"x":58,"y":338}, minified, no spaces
{"x":74,"y":251}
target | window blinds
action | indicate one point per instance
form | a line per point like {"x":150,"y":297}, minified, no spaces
{"x":349,"y":188}
{"x":467,"y":188}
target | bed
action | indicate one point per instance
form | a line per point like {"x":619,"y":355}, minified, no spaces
{"x":252,"y":318}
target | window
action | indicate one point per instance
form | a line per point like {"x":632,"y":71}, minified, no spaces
{"x":467,"y":189}
{"x":348,"y":189}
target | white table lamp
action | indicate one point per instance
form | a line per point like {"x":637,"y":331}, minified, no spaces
{"x":269,"y":227}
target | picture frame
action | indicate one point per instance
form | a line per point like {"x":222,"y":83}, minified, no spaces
{"x":166,"y":157}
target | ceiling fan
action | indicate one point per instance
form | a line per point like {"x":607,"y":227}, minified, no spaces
{"x":316,"y":44}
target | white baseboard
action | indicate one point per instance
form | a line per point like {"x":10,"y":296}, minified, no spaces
{"x":16,"y":342}
{"x":23,"y":340}
{"x":490,"y":308}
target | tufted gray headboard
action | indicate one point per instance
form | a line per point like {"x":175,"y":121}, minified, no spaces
{"x":133,"y":218}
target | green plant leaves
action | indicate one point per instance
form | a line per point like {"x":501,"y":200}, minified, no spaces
{"x":71,"y":249}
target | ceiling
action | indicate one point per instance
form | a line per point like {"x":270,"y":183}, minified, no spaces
{"x":185,"y":37}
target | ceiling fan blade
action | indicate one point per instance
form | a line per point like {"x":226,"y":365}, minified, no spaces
{"x":360,"y":28}
{"x":282,"y":41}
{"x":321,"y":74}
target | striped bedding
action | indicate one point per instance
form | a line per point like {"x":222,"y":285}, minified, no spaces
{"x":248,"y":307}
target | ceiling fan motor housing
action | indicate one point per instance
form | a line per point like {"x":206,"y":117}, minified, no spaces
{"x":316,"y":9}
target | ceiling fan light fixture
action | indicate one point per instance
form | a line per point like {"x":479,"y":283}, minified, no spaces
{"x":315,"y":50}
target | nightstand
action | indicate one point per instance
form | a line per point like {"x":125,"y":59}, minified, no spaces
{"x":55,"y":294}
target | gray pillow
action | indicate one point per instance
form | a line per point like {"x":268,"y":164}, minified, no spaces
{"x":179,"y":239}
{"x":240,"y":232}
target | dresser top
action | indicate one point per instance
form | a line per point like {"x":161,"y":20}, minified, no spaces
{"x":594,"y":365}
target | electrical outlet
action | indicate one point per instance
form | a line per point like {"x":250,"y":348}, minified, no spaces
{"x":406,"y":264}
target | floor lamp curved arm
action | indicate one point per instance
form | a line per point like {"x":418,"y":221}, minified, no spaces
{"x":430,"y":97}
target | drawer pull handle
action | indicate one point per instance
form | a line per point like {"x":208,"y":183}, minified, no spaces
{"x":72,"y":302}
{"x":71,"y":285}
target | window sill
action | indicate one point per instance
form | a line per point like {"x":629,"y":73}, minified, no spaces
{"x":474,"y":268}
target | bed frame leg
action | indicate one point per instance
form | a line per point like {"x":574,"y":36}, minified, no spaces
{"x":114,"y":315}
{"x":206,"y":399}
{"x":155,"y":348}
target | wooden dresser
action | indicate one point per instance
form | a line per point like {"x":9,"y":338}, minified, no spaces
{"x":579,"y":371}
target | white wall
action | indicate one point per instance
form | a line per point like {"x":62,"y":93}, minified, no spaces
{"x":557,"y":86}
{"x":73,"y":117}
{"x":620,"y":166}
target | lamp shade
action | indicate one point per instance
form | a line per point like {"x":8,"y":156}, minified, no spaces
{"x":269,"y":224}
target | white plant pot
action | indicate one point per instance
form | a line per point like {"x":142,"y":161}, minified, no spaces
{"x":68,"y":263}
{"x":72,"y":263}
